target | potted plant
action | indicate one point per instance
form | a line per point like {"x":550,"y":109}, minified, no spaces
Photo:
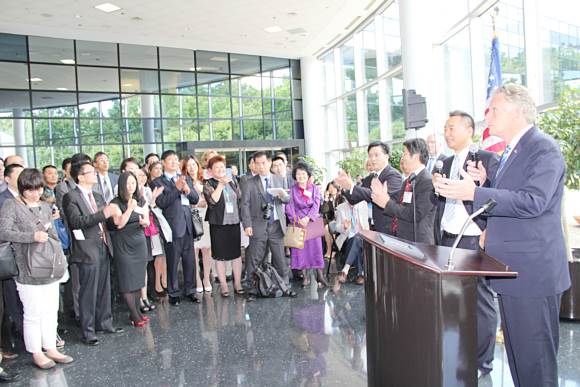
{"x":563,"y":123}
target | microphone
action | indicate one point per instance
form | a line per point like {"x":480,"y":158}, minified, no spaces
{"x":486,"y":207}
{"x":474,"y":153}
{"x":438,"y":167}
{"x":474,"y":156}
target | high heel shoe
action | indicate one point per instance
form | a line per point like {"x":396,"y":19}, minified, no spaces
{"x":144,"y":308}
{"x":320,"y":278}
{"x":240,"y":292}
{"x":145,"y":318}
{"x":149,"y":304}
{"x":138,"y":324}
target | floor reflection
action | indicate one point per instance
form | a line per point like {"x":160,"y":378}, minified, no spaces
{"x":317,"y":339}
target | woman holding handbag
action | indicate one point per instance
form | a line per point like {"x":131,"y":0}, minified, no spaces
{"x":303,"y":210}
{"x":191,"y":168}
{"x":27,"y":223}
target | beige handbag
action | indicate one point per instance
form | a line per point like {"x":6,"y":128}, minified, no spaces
{"x":295,"y":235}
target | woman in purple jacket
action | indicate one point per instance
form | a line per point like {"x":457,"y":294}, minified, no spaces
{"x":304,"y":208}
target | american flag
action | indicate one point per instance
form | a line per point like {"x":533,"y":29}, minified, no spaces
{"x":489,"y":142}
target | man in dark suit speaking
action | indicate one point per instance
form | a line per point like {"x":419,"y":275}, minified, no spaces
{"x":378,"y":161}
{"x":524,"y":231}
{"x":413,"y":214}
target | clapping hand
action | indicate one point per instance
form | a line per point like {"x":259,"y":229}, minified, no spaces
{"x":456,"y":189}
{"x":380,"y":195}
{"x":343,"y":180}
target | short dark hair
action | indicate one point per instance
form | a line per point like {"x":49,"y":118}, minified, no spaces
{"x":65,"y":162}
{"x":302,"y":166}
{"x":467,"y":119}
{"x":99,"y":154}
{"x":167,"y":153}
{"x":30,"y":179}
{"x":215,"y":159}
{"x":261,"y":154}
{"x":418,"y":146}
{"x":122,"y":186}
{"x":76,"y":168}
{"x":149,"y":156}
{"x":281,"y":155}
{"x":9,"y":169}
{"x":48,"y":167}
{"x":382,"y":145}
{"x":278,"y":158}
{"x":129,"y":160}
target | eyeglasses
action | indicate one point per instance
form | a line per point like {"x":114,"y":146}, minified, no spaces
{"x":93,"y":172}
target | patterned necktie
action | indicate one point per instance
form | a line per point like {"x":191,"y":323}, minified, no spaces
{"x":503,"y":159}
{"x":270,"y":199}
{"x":395,"y":222}
{"x":107,"y":190}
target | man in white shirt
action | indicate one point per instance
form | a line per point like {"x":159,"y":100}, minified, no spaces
{"x":106,"y":181}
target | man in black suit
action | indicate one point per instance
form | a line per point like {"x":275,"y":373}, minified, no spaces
{"x":175,"y":201}
{"x":86,"y":213}
{"x":378,"y":162}
{"x":12,"y":304}
{"x":452,"y":214}
{"x":413,"y":214}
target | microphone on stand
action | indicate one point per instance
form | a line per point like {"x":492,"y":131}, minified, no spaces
{"x":485,"y":208}
{"x":412,"y":177}
{"x":473,"y":155}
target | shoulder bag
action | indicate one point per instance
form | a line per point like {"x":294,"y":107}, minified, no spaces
{"x":8,"y":268}
{"x":295,"y":235}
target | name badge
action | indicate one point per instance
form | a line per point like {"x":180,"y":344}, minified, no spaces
{"x":229,"y":207}
{"x":138,"y":210}
{"x":79,"y":235}
{"x":407,"y":197}
{"x":184,"y":200}
{"x":307,"y":193}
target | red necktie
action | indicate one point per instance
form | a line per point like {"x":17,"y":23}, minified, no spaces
{"x":395,"y":222}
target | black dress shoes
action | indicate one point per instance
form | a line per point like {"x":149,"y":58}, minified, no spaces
{"x":6,"y":377}
{"x":115,"y":331}
{"x":174,"y":300}
{"x":91,"y":342}
{"x":193,"y":298}
{"x":290,"y":293}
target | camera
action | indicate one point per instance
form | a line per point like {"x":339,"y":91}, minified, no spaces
{"x":267,"y":210}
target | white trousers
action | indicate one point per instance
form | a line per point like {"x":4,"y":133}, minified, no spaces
{"x":40,"y":304}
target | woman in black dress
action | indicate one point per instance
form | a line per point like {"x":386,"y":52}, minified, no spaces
{"x":129,"y":244}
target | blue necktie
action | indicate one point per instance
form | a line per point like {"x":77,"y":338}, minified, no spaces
{"x":503,"y":159}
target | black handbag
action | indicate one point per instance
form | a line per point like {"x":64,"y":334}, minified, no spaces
{"x":8,"y":268}
{"x":197,"y":222}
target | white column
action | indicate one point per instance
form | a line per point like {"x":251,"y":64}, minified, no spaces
{"x":479,"y":72}
{"x":147,"y":112}
{"x":312,"y":100}
{"x":416,"y":48}
{"x":19,"y":133}
{"x":533,"y":44}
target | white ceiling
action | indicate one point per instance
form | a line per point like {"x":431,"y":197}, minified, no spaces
{"x":219,"y":25}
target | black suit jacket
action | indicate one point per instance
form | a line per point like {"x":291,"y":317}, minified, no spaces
{"x":425,"y":206}
{"x":80,"y":217}
{"x":381,"y":220}
{"x":177,"y":215}
{"x":5,"y":195}
{"x":490,"y":161}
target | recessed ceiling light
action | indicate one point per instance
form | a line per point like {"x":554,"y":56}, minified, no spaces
{"x":35,"y":79}
{"x":273,"y":29}
{"x":107,"y":7}
{"x":61,"y":88}
{"x":219,"y":58}
{"x":67,"y":61}
{"x":192,"y":69}
{"x":127,"y":84}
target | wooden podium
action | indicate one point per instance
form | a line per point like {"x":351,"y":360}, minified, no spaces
{"x":421,"y":317}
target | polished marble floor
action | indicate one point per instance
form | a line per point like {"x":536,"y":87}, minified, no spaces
{"x":317,"y":339}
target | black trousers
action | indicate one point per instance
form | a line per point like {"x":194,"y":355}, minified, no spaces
{"x":95,"y":295}
{"x":180,"y":250}
{"x":486,"y":312}
{"x":531,"y":332}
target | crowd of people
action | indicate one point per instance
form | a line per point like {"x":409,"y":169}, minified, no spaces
{"x":67,"y":233}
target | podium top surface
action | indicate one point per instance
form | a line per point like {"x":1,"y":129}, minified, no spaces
{"x":435,"y":258}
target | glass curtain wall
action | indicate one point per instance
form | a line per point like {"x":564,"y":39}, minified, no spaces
{"x":59,"y":96}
